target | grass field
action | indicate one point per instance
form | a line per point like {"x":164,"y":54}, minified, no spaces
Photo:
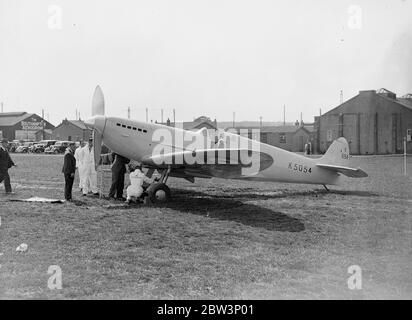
{"x":216,"y":239}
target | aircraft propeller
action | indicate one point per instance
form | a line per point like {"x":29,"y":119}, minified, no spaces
{"x":97,"y":110}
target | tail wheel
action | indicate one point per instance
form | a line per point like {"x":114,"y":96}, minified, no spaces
{"x":158,"y":193}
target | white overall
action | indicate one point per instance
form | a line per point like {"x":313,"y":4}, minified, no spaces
{"x":89,"y":170}
{"x":79,"y":165}
{"x":135,"y":189}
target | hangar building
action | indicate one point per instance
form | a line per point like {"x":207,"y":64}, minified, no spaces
{"x":373,"y":122}
{"x":23,"y":126}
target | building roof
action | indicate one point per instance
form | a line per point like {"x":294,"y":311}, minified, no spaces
{"x":9,"y":119}
{"x":78,"y":123}
{"x":404,"y":101}
{"x":275,"y":129}
{"x":309,"y":128}
{"x":251,"y":124}
{"x":280,"y":129}
{"x":195,"y":124}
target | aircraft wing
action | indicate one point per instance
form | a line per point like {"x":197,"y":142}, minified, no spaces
{"x":222,"y":163}
{"x":349,"y":172}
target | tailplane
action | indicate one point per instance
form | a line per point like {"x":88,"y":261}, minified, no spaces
{"x":336,"y":159}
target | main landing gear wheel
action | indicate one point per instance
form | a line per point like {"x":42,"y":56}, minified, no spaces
{"x":158,"y":193}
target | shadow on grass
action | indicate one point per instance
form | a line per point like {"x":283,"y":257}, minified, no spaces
{"x":195,"y":202}
{"x":358,"y":193}
{"x":251,"y":194}
{"x":287,"y":193}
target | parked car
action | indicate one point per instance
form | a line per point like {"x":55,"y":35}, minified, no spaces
{"x":24,"y":148}
{"x":12,"y":147}
{"x":42,"y":145}
{"x":58,"y":147}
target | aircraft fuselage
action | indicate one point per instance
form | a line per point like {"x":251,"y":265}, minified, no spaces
{"x":135,"y":140}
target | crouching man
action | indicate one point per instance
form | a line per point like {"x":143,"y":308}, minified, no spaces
{"x":69,"y":170}
{"x":137,"y":178}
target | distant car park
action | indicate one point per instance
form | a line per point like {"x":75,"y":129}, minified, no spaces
{"x":57,"y":148}
{"x":24,"y":147}
{"x":42,"y":145}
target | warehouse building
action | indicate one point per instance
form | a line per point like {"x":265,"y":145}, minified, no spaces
{"x":23,"y":126}
{"x":72,"y":130}
{"x":373,"y":122}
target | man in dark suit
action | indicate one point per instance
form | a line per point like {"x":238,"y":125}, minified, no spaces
{"x":5,"y":164}
{"x":118,"y":172}
{"x":69,"y":169}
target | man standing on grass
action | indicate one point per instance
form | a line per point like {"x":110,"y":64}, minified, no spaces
{"x":5,"y":164}
{"x":79,"y":164}
{"x":69,"y":169}
{"x":90,"y":174}
{"x":118,"y":172}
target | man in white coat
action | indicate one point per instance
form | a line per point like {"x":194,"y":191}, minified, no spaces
{"x":89,"y":169}
{"x":78,"y":155}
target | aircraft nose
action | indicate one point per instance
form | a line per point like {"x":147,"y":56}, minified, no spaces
{"x":96,"y":122}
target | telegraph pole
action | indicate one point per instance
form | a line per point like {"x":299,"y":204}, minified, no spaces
{"x":42,"y":115}
{"x":234,"y":114}
{"x":284,"y":115}
{"x":147,"y":115}
{"x":404,"y":156}
{"x":162,"y":116}
{"x":2,"y":107}
{"x":128,"y":112}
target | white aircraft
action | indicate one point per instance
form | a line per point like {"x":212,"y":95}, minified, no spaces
{"x":157,"y":147}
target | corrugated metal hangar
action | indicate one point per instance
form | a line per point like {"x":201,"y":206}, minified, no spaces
{"x":373,"y":122}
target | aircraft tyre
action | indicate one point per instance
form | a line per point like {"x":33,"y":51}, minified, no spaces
{"x":158,"y":193}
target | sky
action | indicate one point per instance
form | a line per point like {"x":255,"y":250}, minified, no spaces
{"x":209,"y":58}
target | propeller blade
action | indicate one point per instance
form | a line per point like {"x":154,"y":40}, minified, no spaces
{"x":98,"y":102}
{"x":97,"y":147}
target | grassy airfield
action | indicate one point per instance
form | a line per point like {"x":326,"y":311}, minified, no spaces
{"x":216,"y":239}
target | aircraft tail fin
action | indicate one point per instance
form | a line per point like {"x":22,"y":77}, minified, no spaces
{"x":336,"y":159}
{"x":337,"y":154}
